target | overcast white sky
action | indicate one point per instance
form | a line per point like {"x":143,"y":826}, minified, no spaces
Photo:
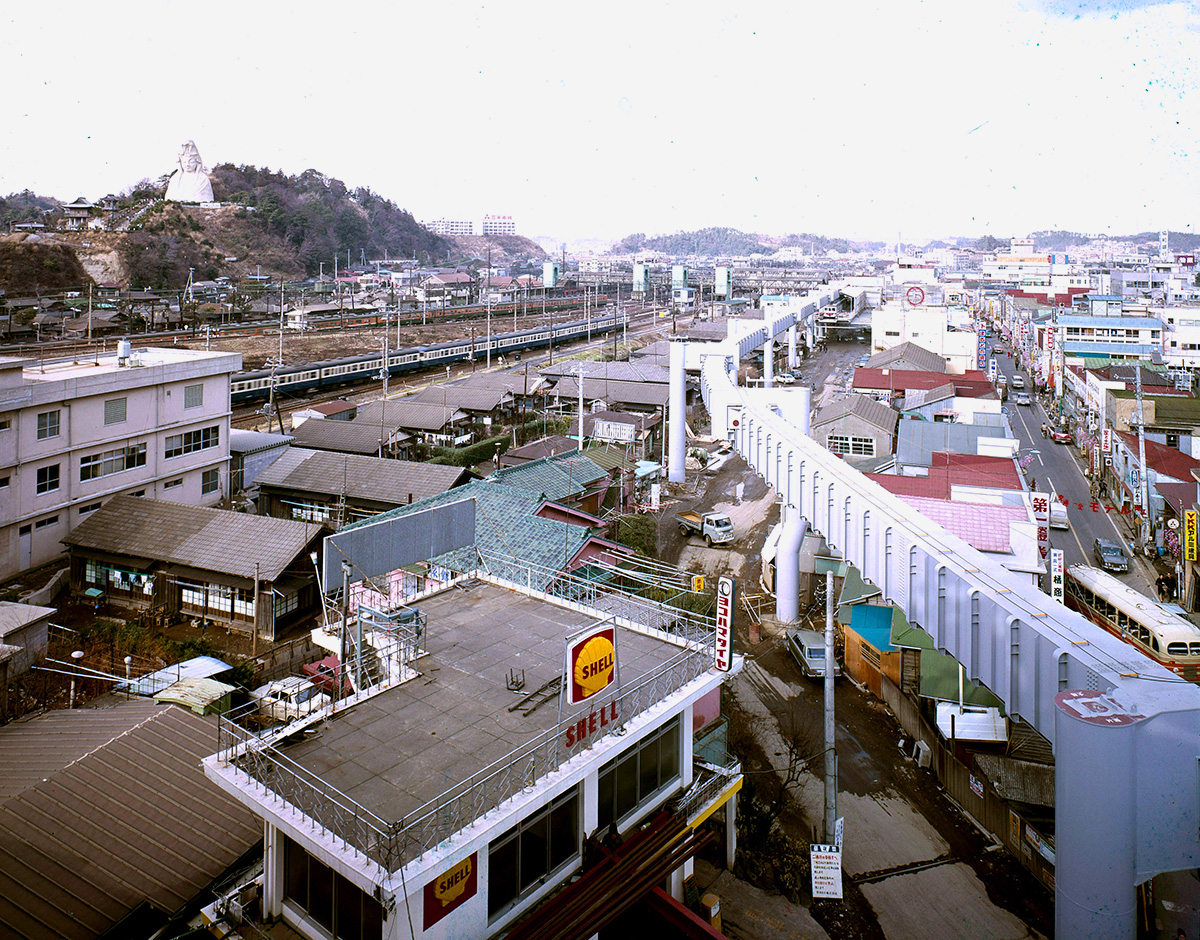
{"x":925,"y":118}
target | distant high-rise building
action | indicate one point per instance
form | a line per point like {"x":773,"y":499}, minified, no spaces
{"x":499,"y":225}
{"x":452,"y":227}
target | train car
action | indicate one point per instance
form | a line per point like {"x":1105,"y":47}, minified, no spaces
{"x":1159,"y":630}
{"x":336,"y":373}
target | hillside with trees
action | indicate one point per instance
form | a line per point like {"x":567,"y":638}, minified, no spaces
{"x":731,"y":242}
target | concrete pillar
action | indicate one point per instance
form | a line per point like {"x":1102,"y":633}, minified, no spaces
{"x":730,"y":830}
{"x":1095,"y":771}
{"x":792,"y":360}
{"x":677,"y":415}
{"x":768,"y":363}
{"x":273,"y":886}
{"x":787,"y":566}
{"x":803,"y":421}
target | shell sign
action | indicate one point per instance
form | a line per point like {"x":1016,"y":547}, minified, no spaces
{"x":450,"y":889}
{"x":591,"y":664}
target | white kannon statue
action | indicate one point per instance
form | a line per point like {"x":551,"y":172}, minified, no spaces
{"x":190,"y":183}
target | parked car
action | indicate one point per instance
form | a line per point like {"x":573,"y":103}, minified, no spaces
{"x":1058,"y":516}
{"x":808,"y":649}
{"x":1109,"y":555}
{"x":1022,"y":398}
{"x":289,"y":698}
{"x":785,"y":378}
{"x":1018,"y":381}
{"x":324,"y":674}
{"x":1059,"y":436}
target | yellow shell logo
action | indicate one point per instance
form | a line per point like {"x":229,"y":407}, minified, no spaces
{"x":453,"y":883}
{"x":594,"y":665}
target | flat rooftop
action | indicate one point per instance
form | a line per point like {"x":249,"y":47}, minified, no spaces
{"x":402,"y":748}
{"x":145,"y":357}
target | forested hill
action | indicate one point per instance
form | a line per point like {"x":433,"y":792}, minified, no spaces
{"x":319,"y":217}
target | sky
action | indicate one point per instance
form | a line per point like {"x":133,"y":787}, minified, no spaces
{"x":904,"y":119}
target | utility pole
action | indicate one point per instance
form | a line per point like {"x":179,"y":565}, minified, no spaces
{"x":830,"y":750}
{"x":1147,"y":532}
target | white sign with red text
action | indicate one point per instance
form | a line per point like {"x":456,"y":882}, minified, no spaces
{"x":723,"y":655}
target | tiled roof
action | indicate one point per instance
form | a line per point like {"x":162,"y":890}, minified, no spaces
{"x":465,"y":397}
{"x":357,"y":477}
{"x":609,"y":457}
{"x":105,"y":809}
{"x":612,"y":371}
{"x":516,"y":382}
{"x":632,"y":393}
{"x":506,"y":524}
{"x":407,"y":413}
{"x":196,"y":536}
{"x":911,"y":356}
{"x":351,"y":437}
{"x":535,"y":450}
{"x":553,"y":477}
{"x":869,"y":409}
{"x":972,"y":384}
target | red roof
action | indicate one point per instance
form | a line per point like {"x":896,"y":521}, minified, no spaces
{"x":971,"y":384}
{"x":950,"y":470}
{"x":1162,"y":459}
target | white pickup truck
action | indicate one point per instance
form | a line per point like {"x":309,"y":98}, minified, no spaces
{"x":715,"y":528}
{"x":289,"y":698}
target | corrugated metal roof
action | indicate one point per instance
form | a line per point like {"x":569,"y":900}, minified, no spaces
{"x":464,"y":397}
{"x":875,"y":412}
{"x":407,"y":414}
{"x":120,"y":814}
{"x":360,"y":477}
{"x":631,"y":393}
{"x":208,"y":539}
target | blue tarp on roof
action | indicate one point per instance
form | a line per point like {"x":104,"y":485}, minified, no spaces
{"x":873,"y":623}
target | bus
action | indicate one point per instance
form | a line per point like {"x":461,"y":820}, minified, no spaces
{"x":1161,"y":631}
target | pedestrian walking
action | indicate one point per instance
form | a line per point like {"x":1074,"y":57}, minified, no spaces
{"x":1045,"y":431}
{"x":1160,"y":585}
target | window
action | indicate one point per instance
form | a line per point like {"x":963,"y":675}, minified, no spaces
{"x":520,"y":860}
{"x":333,"y":901}
{"x":48,"y":521}
{"x":114,"y":411}
{"x":171,"y":484}
{"x":108,"y":462}
{"x":3,"y":481}
{"x":193,"y":396}
{"x":47,"y":425}
{"x":191,"y":441}
{"x":90,"y":507}
{"x":47,"y":479}
{"x":210,"y":481}
{"x":643,"y":769}
{"x":5,"y":423}
{"x":286,"y":603}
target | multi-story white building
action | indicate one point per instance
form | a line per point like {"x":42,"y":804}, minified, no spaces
{"x":944,"y":330}
{"x":452,"y":227}
{"x":499,"y":225}
{"x":75,"y":433}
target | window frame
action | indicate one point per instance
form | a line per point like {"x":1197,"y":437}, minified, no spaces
{"x":49,"y":479}
{"x":49,"y":424}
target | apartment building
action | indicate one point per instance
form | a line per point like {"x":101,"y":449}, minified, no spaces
{"x":75,"y":433}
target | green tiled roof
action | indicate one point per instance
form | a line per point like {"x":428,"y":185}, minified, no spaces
{"x":553,"y":477}
{"x":505,"y":524}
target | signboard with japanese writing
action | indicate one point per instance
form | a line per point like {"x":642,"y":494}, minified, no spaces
{"x":1056,"y":574}
{"x":723,"y":654}
{"x":1106,"y":440}
{"x":826,"y":863}
{"x":1189,"y":535}
{"x":615,"y":431}
{"x":697,"y":583}
{"x":1041,"y":517}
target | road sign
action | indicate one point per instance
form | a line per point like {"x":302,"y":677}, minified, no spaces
{"x":826,"y":863}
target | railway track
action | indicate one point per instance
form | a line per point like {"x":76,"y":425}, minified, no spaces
{"x":258,"y":418}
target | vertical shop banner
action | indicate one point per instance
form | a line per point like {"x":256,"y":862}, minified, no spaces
{"x":1041,"y":516}
{"x":1056,"y":574}
{"x":1189,"y":535}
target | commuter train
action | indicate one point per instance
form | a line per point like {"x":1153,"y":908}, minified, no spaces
{"x":332,"y":373}
{"x":368,"y":317}
{"x":1159,"y":630}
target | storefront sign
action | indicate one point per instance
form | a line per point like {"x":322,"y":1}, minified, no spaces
{"x":1189,"y":534}
{"x":826,"y":861}
{"x":450,"y":889}
{"x":1041,"y":517}
{"x":1056,"y":574}
{"x":585,"y":727}
{"x":723,"y":655}
{"x":1106,"y":440}
{"x":591,"y":664}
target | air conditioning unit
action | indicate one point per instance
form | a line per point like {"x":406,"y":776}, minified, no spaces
{"x":923,"y":755}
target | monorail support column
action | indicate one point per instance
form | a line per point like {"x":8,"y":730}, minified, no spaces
{"x":803,"y":421}
{"x":769,"y":363}
{"x":1095,"y":771}
{"x":792,"y":361}
{"x":787,"y":566}
{"x":677,"y":415}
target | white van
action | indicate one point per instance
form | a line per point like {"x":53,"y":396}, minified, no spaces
{"x":1058,"y":515}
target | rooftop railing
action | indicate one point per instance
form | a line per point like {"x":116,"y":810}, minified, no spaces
{"x":393,"y":843}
